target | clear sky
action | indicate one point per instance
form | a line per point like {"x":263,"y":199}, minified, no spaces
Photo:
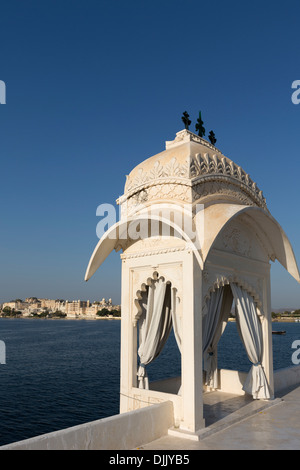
{"x":96,"y":87}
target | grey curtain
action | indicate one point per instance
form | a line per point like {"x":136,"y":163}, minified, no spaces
{"x":250,"y":331}
{"x":154,"y":326}
{"x":215,"y":317}
{"x":176,"y":319}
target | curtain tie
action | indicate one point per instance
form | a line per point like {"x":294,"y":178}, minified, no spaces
{"x":211,"y":353}
{"x":141,"y":373}
{"x":257,"y":364}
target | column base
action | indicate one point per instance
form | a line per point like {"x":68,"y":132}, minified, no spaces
{"x":186,"y":434}
{"x":251,"y":409}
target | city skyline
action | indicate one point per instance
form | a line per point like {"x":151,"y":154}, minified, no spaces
{"x":34,"y":307}
{"x":87,"y":104}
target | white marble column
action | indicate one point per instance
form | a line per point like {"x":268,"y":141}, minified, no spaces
{"x":267,"y":357}
{"x":192,"y":383}
{"x":128,"y":359}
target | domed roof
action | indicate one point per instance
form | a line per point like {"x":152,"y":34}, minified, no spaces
{"x":197,"y":169}
{"x":191,"y":170}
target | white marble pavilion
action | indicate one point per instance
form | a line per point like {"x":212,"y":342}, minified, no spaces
{"x":196,"y":238}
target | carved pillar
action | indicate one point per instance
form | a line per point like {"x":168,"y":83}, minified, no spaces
{"x":192,"y":383}
{"x":267,"y":359}
{"x":128,"y":360}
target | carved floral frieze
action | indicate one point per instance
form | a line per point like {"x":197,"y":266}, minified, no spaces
{"x":206,"y":174}
{"x":226,"y":190}
{"x":203,"y":164}
{"x":172,"y":169}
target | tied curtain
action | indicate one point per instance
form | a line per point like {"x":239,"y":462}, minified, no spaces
{"x":250,"y":331}
{"x":215,"y":316}
{"x":158,"y":313}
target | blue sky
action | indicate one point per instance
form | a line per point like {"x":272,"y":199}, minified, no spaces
{"x":96,"y":87}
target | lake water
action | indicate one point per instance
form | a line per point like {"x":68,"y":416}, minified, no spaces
{"x":60,"y":373}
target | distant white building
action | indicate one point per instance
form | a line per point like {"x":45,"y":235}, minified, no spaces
{"x":73,"y":309}
{"x":15,"y":305}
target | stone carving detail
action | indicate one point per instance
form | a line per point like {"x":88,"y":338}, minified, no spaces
{"x":140,"y":401}
{"x":235,"y":242}
{"x":220,"y":280}
{"x":170,"y":191}
{"x":259,"y":236}
{"x":171,"y":169}
{"x":142,"y":254}
{"x":208,"y":173}
{"x":140,"y":197}
{"x":140,"y":300}
{"x":211,"y":175}
{"x":166,"y":191}
{"x":226,"y":189}
{"x":219,"y":165}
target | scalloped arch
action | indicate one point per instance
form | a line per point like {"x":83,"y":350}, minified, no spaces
{"x":226,"y":280}
{"x":142,"y":291}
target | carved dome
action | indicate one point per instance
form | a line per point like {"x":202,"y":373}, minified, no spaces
{"x":191,"y":170}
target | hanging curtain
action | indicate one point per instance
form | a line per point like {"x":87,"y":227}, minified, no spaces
{"x":176,"y":322}
{"x":176,"y":319}
{"x":155,"y":326}
{"x":250,"y":331}
{"x":215,"y":317}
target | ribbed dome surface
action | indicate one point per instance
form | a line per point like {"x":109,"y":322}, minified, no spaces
{"x":190,"y":160}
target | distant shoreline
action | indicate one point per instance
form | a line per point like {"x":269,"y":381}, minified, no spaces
{"x":274,"y":320}
{"x":59,"y":318}
{"x":277,"y":320}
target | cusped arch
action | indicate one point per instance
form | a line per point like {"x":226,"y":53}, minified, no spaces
{"x":227,"y":280}
{"x":142,"y":292}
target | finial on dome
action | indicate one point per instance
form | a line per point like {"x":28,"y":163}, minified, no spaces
{"x":212,"y":137}
{"x":185,"y":119}
{"x":199,"y":126}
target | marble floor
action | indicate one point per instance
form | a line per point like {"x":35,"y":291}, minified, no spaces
{"x":240,"y":423}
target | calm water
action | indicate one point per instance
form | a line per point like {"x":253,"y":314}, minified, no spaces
{"x":61,"y":373}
